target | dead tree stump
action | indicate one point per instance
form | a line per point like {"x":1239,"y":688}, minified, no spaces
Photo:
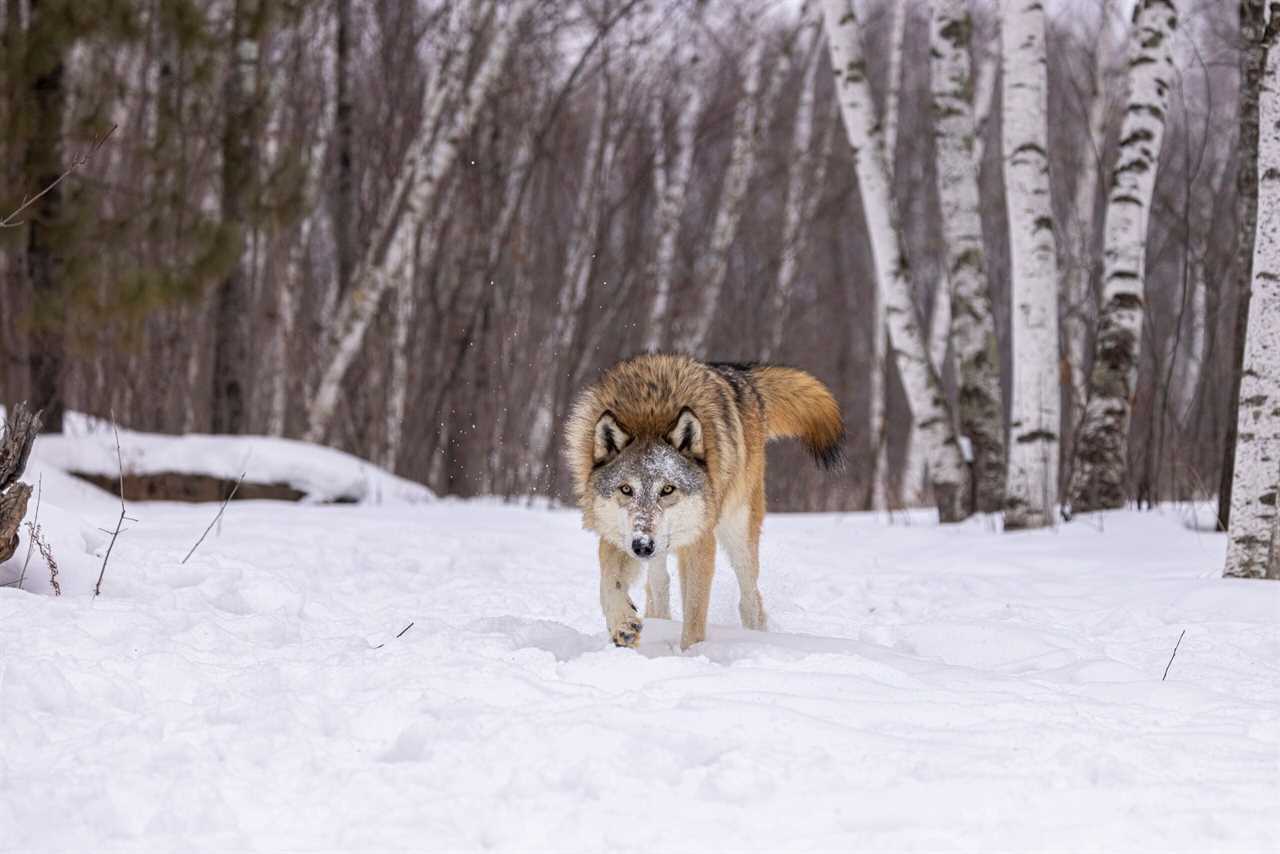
{"x":15,"y":447}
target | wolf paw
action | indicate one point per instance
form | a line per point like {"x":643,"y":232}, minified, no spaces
{"x":627,"y":634}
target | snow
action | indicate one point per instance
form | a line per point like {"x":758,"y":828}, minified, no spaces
{"x":923,"y":688}
{"x":89,"y":446}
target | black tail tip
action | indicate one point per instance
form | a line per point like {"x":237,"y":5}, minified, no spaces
{"x":829,"y":455}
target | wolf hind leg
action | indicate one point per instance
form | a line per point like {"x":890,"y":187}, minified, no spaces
{"x":657,"y":589}
{"x":739,"y":531}
{"x":618,"y":571}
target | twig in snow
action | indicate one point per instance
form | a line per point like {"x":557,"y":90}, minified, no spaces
{"x":36,"y":519}
{"x":47,"y":553}
{"x":1175,"y":652}
{"x":221,"y":510}
{"x":397,"y":637}
{"x":97,"y":588}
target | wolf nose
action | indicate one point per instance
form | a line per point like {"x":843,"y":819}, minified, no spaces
{"x":642,"y":546}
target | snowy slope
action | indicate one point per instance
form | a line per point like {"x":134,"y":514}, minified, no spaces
{"x":324,"y":474}
{"x":924,"y":689}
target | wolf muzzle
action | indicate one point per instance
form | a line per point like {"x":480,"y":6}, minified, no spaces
{"x":642,"y":547}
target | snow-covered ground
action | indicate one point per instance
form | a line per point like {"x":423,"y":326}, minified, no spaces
{"x":922,"y":689}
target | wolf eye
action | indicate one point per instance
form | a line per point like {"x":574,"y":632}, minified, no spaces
{"x":624,"y":489}
{"x":668,"y":489}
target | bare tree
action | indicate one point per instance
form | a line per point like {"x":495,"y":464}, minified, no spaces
{"x":1253,"y":22}
{"x":1253,"y":549}
{"x":1033,"y":420}
{"x":977,"y":351}
{"x":921,"y":382}
{"x":1101,"y":455}
{"x":418,"y":180}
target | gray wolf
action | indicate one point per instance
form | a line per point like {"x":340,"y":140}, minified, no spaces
{"x":667,"y":455}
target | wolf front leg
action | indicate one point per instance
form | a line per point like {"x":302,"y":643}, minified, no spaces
{"x":657,"y":588}
{"x":697,"y":567}
{"x":618,"y":570}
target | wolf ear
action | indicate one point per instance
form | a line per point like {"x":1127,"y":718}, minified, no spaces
{"x":610,"y":439}
{"x":686,"y":435}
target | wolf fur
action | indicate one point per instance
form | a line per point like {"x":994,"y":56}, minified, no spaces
{"x":667,"y":456}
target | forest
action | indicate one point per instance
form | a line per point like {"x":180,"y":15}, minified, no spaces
{"x":412,"y":229}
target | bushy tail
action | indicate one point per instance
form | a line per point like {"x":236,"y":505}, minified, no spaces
{"x":798,"y":406}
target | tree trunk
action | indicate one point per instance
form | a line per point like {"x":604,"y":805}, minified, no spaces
{"x":19,"y":434}
{"x":749,"y":119}
{"x":1252,"y":58}
{"x":1099,"y":472}
{"x":346,"y":210}
{"x":47,"y":48}
{"x":973,"y":329}
{"x":920,"y":381}
{"x":671,"y":192}
{"x":802,"y":200}
{"x":418,"y":179}
{"x":1032,"y":492}
{"x":232,"y":332}
{"x":1253,"y":550}
{"x":1080,"y":306}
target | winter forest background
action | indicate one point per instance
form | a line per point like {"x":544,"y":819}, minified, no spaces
{"x":412,"y":229}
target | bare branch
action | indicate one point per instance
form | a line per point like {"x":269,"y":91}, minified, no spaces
{"x":11,"y":221}
{"x":97,"y":588}
{"x":1175,"y":652}
{"x":221,"y":510}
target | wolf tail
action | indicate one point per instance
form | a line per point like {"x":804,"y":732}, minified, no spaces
{"x":798,"y":406}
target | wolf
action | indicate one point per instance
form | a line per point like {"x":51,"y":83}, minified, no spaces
{"x":667,"y":455}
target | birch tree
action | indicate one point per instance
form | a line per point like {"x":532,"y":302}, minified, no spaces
{"x":920,"y":380}
{"x":981,"y":411}
{"x":231,"y":344}
{"x":1034,"y":412}
{"x":671,"y":173}
{"x":878,"y":386}
{"x":752,"y":114}
{"x":418,"y":179}
{"x":1078,"y":299}
{"x":1101,"y":454}
{"x":1253,"y":23}
{"x":804,"y":189}
{"x":1253,"y":549}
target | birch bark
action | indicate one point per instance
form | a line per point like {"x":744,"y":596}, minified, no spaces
{"x":1100,"y":466}
{"x":923,"y":387}
{"x":750,"y":117}
{"x":1253,"y":21}
{"x":973,"y":329}
{"x":671,"y":191}
{"x":802,"y":200}
{"x":1253,"y":550}
{"x":1034,"y":412}
{"x":417,"y":181}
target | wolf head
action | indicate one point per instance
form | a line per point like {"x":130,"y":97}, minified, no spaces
{"x":647,"y":495}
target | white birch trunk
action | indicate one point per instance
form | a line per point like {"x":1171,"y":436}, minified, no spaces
{"x":916,"y":472}
{"x":750,"y":117}
{"x":920,"y":380}
{"x":802,"y":200}
{"x":1253,"y":549}
{"x":876,"y":414}
{"x":672,"y":190}
{"x":977,"y":352}
{"x":1034,"y":417}
{"x":984,"y":95}
{"x":417,"y":182}
{"x":1100,"y":467}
